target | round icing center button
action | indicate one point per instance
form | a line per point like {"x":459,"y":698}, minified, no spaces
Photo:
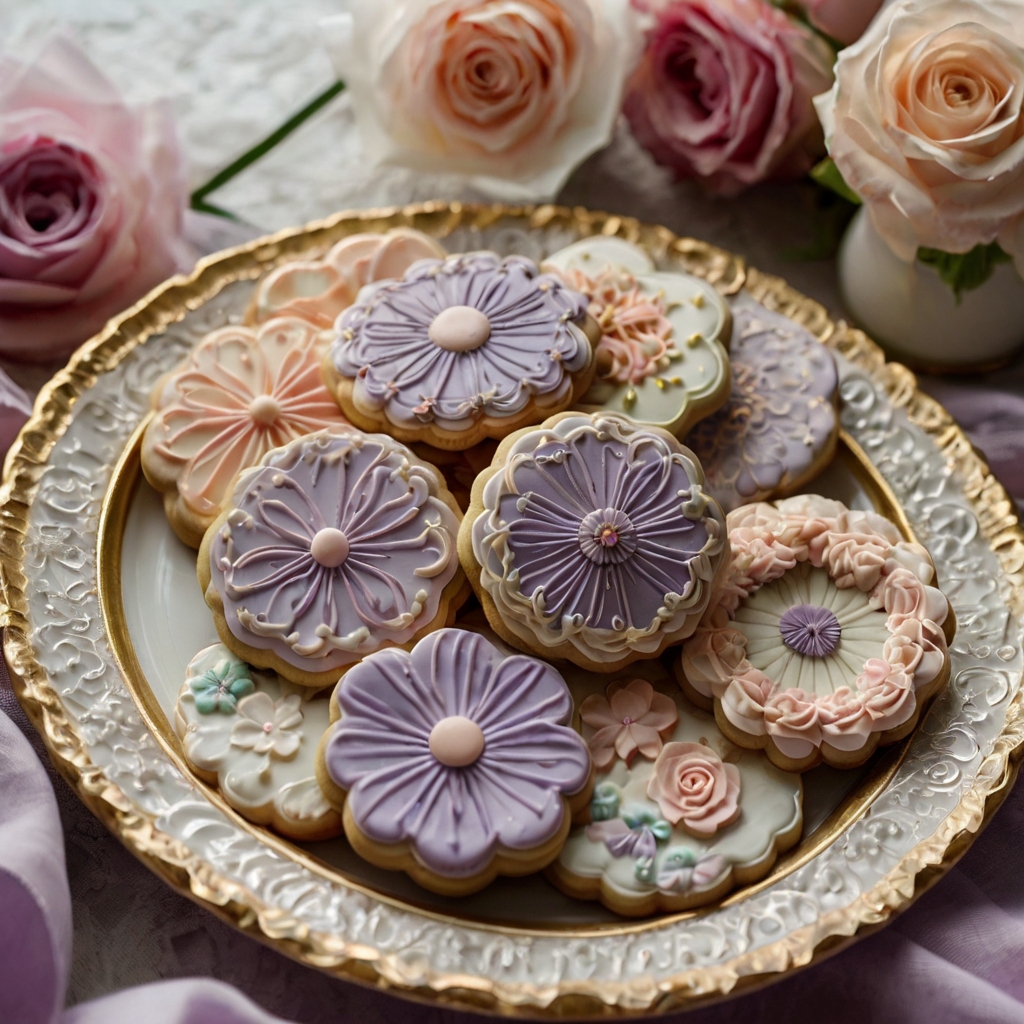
{"x":607,"y":535}
{"x":810,"y":630}
{"x":264,"y":410}
{"x":459,"y":329}
{"x":329,"y":547}
{"x":456,"y":741}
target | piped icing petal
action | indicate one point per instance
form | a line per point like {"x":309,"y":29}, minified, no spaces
{"x":457,"y":801}
{"x":779,"y":420}
{"x":457,"y":342}
{"x":335,"y":545}
{"x":595,"y":540}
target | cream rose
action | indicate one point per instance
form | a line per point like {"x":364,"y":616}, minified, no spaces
{"x":511,"y":93}
{"x":925,"y":123}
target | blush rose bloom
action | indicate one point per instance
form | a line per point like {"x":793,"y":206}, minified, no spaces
{"x":691,"y":784}
{"x":92,"y":196}
{"x":723,"y":92}
{"x":843,"y":20}
{"x":512,"y":94}
{"x":925,"y":123}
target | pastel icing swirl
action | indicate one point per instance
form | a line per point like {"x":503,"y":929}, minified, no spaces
{"x":456,"y":749}
{"x":400,"y":342}
{"x":336,"y":545}
{"x":597,"y":532}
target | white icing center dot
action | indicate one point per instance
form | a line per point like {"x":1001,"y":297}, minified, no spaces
{"x":456,"y":741}
{"x":264,"y":409}
{"x":459,"y":329}
{"x":329,"y":547}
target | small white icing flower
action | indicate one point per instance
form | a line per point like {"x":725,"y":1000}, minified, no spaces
{"x":266,"y":726}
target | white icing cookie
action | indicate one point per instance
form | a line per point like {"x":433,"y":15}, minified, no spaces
{"x":662,"y":357}
{"x":254,"y":735}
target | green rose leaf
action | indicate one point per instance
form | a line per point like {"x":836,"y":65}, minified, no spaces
{"x":965,"y":271}
{"x":827,"y":174}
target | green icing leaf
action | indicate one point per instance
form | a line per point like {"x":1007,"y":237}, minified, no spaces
{"x":965,"y":271}
{"x":662,"y":830}
{"x":680,"y":859}
{"x":826,"y":173}
{"x":605,"y":803}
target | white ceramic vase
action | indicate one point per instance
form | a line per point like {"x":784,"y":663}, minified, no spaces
{"x":908,"y":309}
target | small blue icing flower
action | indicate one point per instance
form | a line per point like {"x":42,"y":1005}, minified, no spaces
{"x":221,"y":687}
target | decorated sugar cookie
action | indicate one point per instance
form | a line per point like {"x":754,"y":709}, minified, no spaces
{"x":334,"y":546}
{"x":680,"y":815}
{"x":462,"y":349}
{"x":779,"y":425}
{"x":318,"y":290}
{"x":254,"y":736}
{"x":592,"y":539}
{"x":662,"y":358}
{"x":825,"y":637}
{"x":241,"y":392}
{"x":455,"y":762}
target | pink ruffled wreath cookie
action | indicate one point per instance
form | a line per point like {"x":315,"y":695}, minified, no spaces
{"x":825,"y":636}
{"x":462,"y":349}
{"x":241,"y":392}
{"x":334,"y":546}
{"x":679,"y":815}
{"x":454,"y":762}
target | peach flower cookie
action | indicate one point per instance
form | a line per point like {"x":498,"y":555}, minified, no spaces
{"x":254,"y":736}
{"x":462,"y":349}
{"x":455,"y":763}
{"x":680,"y":815}
{"x":825,"y":637}
{"x":336,"y":545}
{"x":592,"y":539}
{"x":662,"y":359}
{"x":778,"y":428}
{"x":241,"y":392}
{"x":318,"y":290}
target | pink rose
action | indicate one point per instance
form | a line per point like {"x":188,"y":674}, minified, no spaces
{"x":745,"y":699}
{"x":904,"y":597}
{"x":691,"y":784}
{"x":628,"y":719}
{"x":848,"y":725}
{"x":794,"y":719}
{"x":855,"y":561}
{"x":712,"y":657}
{"x":891,"y":702}
{"x":91,"y":201}
{"x":723,"y":91}
{"x":843,"y":20}
{"x":917,"y":635}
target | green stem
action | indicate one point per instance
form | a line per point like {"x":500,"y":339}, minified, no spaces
{"x":250,"y":156}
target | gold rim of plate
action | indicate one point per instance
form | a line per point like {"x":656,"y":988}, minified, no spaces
{"x":919,"y":868}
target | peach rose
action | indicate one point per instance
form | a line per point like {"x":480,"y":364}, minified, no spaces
{"x":512,"y":93}
{"x":691,"y":784}
{"x":628,"y":719}
{"x":92,"y":195}
{"x":925,"y":123}
{"x":794,"y":719}
{"x":744,"y":701}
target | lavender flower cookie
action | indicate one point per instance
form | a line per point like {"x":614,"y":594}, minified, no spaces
{"x":680,"y":816}
{"x":779,"y":425}
{"x":334,"y":546}
{"x":592,"y":539}
{"x":462,"y":349}
{"x":254,"y":736}
{"x":454,"y":763}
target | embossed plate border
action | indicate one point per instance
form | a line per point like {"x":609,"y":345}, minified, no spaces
{"x":960,"y":766}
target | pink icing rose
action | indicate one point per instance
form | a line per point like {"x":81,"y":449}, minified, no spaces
{"x":513,"y":93}
{"x":691,"y":784}
{"x":713,"y":657}
{"x":925,"y":123}
{"x":92,"y":195}
{"x":904,"y":596}
{"x":723,"y":92}
{"x":847,"y":724}
{"x":925,"y":636}
{"x":890,"y":702}
{"x":628,"y":719}
{"x":794,"y":719}
{"x":744,"y":701}
{"x":843,"y":20}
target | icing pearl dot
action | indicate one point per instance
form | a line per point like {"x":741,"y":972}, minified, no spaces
{"x":268,"y":726}
{"x":608,"y":537}
{"x":264,"y":409}
{"x":459,"y":329}
{"x":329,"y":547}
{"x":456,"y":741}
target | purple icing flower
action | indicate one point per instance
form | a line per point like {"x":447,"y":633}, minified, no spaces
{"x":810,"y":630}
{"x":456,"y":749}
{"x":462,"y":338}
{"x":779,"y":416}
{"x":336,"y":544}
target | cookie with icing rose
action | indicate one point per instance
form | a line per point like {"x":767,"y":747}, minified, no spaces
{"x":241,"y":392}
{"x":663,"y":356}
{"x":825,"y":638}
{"x":680,"y":816}
{"x":254,"y":736}
{"x":592,"y":539}
{"x":470,"y":347}
{"x":318,"y":290}
{"x":332,"y":547}
{"x":778,"y":428}
{"x":454,"y":762}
